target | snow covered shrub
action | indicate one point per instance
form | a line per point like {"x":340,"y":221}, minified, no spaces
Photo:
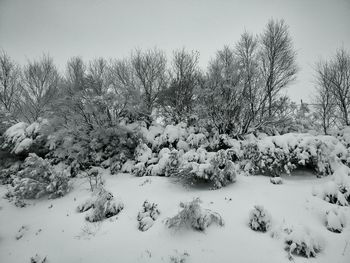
{"x":38,"y":178}
{"x":276,"y":180}
{"x":179,"y":257}
{"x":193,"y":215}
{"x":335,"y":220}
{"x":300,"y":241}
{"x":337,"y":191}
{"x":259,"y":219}
{"x":38,"y":259}
{"x":7,"y":175}
{"x":82,"y":149}
{"x":102,"y":205}
{"x":275,"y":155}
{"x":222,"y":171}
{"x":343,"y":136}
{"x":147,"y":215}
{"x":215,"y":167}
{"x":22,"y":138}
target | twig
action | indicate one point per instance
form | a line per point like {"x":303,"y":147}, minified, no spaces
{"x":346,"y":244}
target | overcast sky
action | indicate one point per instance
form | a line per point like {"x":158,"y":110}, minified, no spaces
{"x":93,"y":28}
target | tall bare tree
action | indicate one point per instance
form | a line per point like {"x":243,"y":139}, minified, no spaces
{"x":39,"y":87}
{"x":150,"y":72}
{"x":339,"y":80}
{"x":123,"y":86}
{"x":324,"y":100}
{"x":246,"y":50}
{"x":9,"y":83}
{"x":278,"y":60}
{"x":178,"y":98}
{"x":223,"y":93}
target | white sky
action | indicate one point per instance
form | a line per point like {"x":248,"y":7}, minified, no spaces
{"x":93,"y":28}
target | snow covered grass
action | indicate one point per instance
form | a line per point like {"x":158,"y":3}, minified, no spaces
{"x":117,"y":239}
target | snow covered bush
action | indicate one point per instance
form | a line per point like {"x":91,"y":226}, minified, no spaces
{"x":215,"y":167}
{"x":148,"y":215}
{"x":81,"y":149}
{"x":179,"y":257}
{"x":38,"y":259}
{"x":259,"y":219}
{"x":275,"y":155}
{"x":38,"y":178}
{"x":222,"y":171}
{"x":102,"y":205}
{"x":301,"y":241}
{"x":337,"y":191}
{"x":194,"y":216}
{"x":7,"y":175}
{"x":276,"y":180}
{"x":335,"y":220}
{"x":22,"y":138}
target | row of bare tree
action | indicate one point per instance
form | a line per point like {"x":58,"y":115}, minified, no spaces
{"x":239,"y":92}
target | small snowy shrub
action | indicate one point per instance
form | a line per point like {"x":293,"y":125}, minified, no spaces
{"x":147,"y":215}
{"x":193,"y":215}
{"x":223,"y":170}
{"x":300,"y":241}
{"x":337,"y":191}
{"x":276,"y":180}
{"x":335,"y":221}
{"x":38,"y":178}
{"x":38,"y":259}
{"x":259,"y":219}
{"x":179,"y":257}
{"x":102,"y":205}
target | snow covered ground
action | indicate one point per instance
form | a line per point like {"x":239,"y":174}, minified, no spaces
{"x":54,"y":229}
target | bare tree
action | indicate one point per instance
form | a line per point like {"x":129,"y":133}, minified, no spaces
{"x":76,"y":75}
{"x":96,"y":76}
{"x":9,"y":83}
{"x":277,"y":57}
{"x":324,"y":99}
{"x":123,"y":86}
{"x":178,"y":98}
{"x":75,"y":95}
{"x":338,"y":76}
{"x":150,"y":72}
{"x":222,"y":96}
{"x":246,"y":50}
{"x":39,"y":87}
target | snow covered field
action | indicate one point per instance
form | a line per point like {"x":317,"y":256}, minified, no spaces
{"x":53,"y":228}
